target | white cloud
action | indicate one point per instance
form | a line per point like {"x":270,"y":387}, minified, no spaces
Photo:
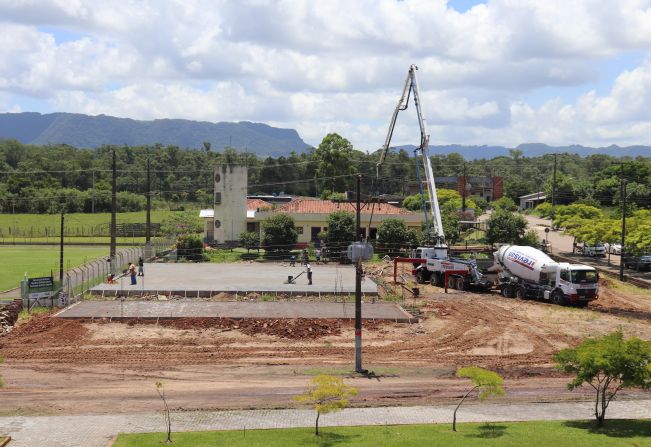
{"x":337,"y":65}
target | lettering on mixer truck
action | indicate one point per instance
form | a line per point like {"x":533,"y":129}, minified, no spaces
{"x":521,"y":259}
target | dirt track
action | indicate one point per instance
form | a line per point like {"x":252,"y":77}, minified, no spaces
{"x":74,"y":366}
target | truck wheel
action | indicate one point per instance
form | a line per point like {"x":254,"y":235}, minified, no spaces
{"x":420,"y":277}
{"x":507,"y":292}
{"x":558,"y":298}
{"x":452,"y":282}
{"x":520,"y":293}
{"x":436,"y":279}
{"x":461,"y":284}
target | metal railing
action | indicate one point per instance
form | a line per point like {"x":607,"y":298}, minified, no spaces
{"x":79,"y":280}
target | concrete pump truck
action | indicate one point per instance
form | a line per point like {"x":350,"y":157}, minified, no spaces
{"x":432,"y":263}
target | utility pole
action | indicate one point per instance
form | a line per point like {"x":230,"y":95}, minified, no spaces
{"x":93,"y":196}
{"x":63,"y":210}
{"x":622,"y":188}
{"x":113,"y":214}
{"x":358,"y":286}
{"x":148,"y":228}
{"x":463,"y":192}
{"x":554,"y":189}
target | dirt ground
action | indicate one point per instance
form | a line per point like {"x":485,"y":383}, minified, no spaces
{"x":71,"y":366}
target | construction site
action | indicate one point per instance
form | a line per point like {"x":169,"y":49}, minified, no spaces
{"x":252,"y":334}
{"x":262,"y":350}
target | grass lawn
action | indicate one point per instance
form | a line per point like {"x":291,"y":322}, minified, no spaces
{"x":46,"y":226}
{"x":15,"y":261}
{"x":530,"y":434}
{"x":626,"y":287}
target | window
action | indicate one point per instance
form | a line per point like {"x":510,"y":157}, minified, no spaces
{"x":565,"y":275}
{"x":584,"y":276}
{"x":299,"y":230}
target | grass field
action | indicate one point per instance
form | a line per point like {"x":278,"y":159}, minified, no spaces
{"x":46,"y":226}
{"x":15,"y":261}
{"x":616,"y":433}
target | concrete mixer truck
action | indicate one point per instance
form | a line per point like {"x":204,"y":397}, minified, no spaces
{"x":526,"y":272}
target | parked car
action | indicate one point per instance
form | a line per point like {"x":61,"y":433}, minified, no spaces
{"x":594,"y":250}
{"x":615,"y":249}
{"x":641,"y":262}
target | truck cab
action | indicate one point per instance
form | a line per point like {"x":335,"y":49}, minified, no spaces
{"x":576,"y":284}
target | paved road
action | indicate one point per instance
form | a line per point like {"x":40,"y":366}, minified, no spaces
{"x":96,"y":430}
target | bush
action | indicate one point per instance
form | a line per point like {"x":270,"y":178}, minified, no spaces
{"x":189,"y":247}
{"x":249,"y":240}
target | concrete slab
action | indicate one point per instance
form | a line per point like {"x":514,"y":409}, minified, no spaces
{"x":205,"y":278}
{"x":232,"y":309}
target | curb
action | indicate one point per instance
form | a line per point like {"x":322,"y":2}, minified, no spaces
{"x":110,"y":443}
{"x":5,"y":442}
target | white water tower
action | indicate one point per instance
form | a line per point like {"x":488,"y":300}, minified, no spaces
{"x":230,"y":202}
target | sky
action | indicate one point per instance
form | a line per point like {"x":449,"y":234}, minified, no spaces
{"x":499,"y":72}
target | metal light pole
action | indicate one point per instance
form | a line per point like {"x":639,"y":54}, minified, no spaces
{"x":358,"y":288}
{"x":148,"y":225}
{"x":623,"y":197}
{"x":113,"y":214}
{"x":61,"y":245}
{"x":554,"y":190}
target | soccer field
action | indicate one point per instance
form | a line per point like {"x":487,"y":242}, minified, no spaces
{"x":15,"y":261}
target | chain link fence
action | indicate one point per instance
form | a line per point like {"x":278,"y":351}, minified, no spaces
{"x":79,"y":280}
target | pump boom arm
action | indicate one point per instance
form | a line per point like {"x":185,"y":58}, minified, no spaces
{"x":411,"y":85}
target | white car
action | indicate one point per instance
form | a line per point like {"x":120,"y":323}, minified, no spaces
{"x":594,"y":250}
{"x":615,"y":249}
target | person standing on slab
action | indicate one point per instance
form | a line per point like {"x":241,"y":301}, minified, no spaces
{"x":308,"y":266}
{"x":132,"y":273}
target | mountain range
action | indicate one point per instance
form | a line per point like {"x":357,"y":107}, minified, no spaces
{"x":534,"y":150}
{"x":84,"y":131}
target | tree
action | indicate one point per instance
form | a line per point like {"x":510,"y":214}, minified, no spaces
{"x":187,"y":222}
{"x":326,"y":394}
{"x":280,"y":233}
{"x":531,"y":239}
{"x":249,"y":240}
{"x":505,"y":227}
{"x":564,"y":213}
{"x":488,"y":383}
{"x":505,"y":203}
{"x":545,"y":209}
{"x":607,"y":364}
{"x":168,"y":421}
{"x":392,"y":235}
{"x":638,"y":235}
{"x":334,"y":158}
{"x":450,"y":221}
{"x":341,"y":231}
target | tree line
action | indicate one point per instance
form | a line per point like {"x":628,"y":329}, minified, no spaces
{"x":40,"y":178}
